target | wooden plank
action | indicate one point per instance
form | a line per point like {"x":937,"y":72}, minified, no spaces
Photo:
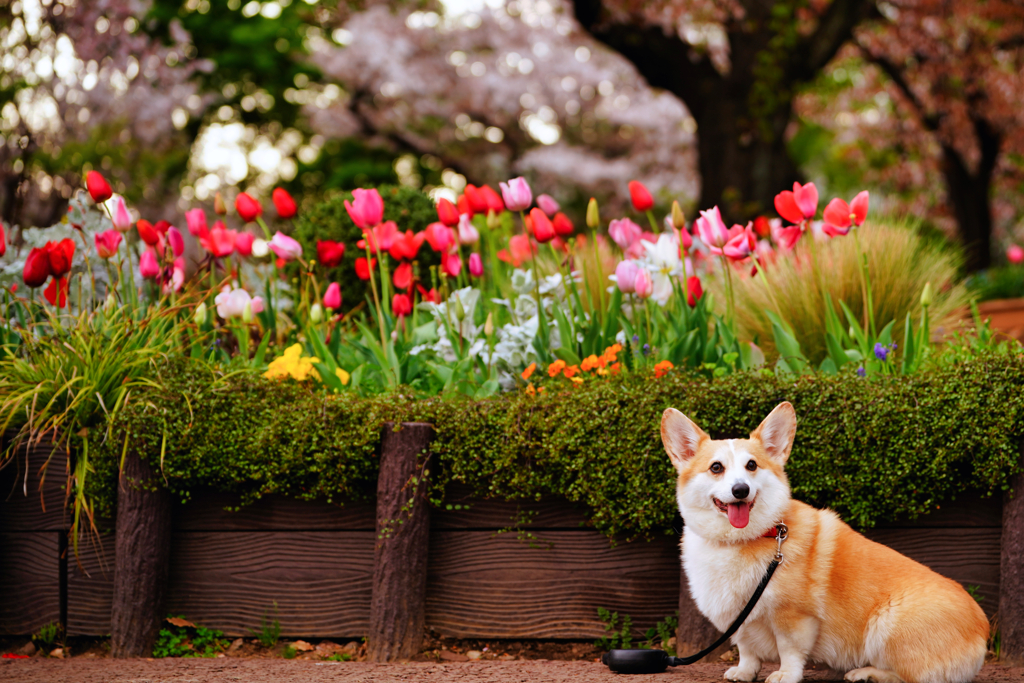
{"x":493,"y":514}
{"x":320,"y":580}
{"x":480,"y":585}
{"x":23,"y":506}
{"x":208,"y":511}
{"x":970,"y":556}
{"x":91,"y":586}
{"x":970,"y":510}
{"x":29,"y":581}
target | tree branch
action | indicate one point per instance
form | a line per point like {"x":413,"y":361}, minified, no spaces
{"x":931,"y":122}
{"x":835,"y":28}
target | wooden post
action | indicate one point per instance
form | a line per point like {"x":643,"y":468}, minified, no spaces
{"x":398,"y":604}
{"x":695,"y":631}
{"x":1011,"y":577}
{"x":141,"y":557}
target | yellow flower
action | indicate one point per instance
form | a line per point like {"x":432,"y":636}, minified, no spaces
{"x":343,"y":376}
{"x":291,"y":364}
{"x":576,"y":380}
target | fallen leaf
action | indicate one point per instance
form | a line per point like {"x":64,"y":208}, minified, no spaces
{"x":178,"y":621}
{"x":302,"y":646}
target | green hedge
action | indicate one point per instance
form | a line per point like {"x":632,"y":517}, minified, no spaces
{"x":872,"y":450}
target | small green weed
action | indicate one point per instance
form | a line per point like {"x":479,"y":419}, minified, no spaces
{"x":660,"y":633}
{"x":48,"y":636}
{"x":270,"y":631}
{"x":340,"y":657}
{"x":619,"y":636}
{"x":184,"y":639}
{"x":290,"y":652}
{"x":972,"y":590}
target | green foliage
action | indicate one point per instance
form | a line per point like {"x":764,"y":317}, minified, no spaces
{"x":48,"y":636}
{"x":289,"y":652}
{"x":410,"y":209}
{"x":953,"y":427}
{"x":189,"y":641}
{"x":1004,"y":282}
{"x":975,"y":592}
{"x":660,"y":633}
{"x":270,"y":630}
{"x":620,"y":636}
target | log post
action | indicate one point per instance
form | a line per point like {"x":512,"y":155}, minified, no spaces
{"x":398,"y":604}
{"x":141,"y":558}
{"x":695,"y":631}
{"x":1011,"y":577}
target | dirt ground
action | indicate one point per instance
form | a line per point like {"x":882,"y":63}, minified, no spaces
{"x":229,"y":670}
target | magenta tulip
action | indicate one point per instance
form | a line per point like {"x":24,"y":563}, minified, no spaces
{"x":366,"y":208}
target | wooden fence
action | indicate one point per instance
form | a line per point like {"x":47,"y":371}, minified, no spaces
{"x":316,"y":562}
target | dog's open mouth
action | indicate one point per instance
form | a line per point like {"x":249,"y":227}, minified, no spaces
{"x":739,"y":512}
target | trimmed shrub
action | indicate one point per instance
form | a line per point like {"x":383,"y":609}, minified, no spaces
{"x":408,"y":207}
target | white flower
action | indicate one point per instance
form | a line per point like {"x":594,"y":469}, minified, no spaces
{"x":663,"y":263}
{"x":231,"y":303}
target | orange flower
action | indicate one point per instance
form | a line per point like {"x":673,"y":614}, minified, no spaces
{"x":662,"y":368}
{"x":529,"y":371}
{"x":591,"y":362}
{"x":615,"y":368}
{"x":571,"y":370}
{"x":530,"y":391}
{"x":555,"y":368}
{"x":611,"y":353}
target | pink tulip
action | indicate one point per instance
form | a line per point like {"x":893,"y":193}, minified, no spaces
{"x":107,"y":243}
{"x":451,"y":265}
{"x":624,"y":232}
{"x":440,"y":237}
{"x":799,"y":205}
{"x":175,"y":240}
{"x":366,"y":209}
{"x":468,"y":234}
{"x":840,"y":217}
{"x":243,"y":243}
{"x":148,"y":266}
{"x":285,"y":247}
{"x":196,"y":220}
{"x":625,"y":276}
{"x":219,"y":241}
{"x":548,"y":204}
{"x":643,"y":284}
{"x":332,"y":298}
{"x":476,"y":265}
{"x":122,"y":219}
{"x":177,"y":279}
{"x":1015,"y":254}
{"x":712,"y":231}
{"x":742,"y":244}
{"x":517,"y":194}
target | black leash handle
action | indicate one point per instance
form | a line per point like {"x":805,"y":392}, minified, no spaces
{"x":735,"y":626}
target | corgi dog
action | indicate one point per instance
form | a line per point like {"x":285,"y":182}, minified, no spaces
{"x":837,"y":598}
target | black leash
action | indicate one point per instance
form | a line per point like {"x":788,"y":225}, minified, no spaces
{"x":640,"y":661}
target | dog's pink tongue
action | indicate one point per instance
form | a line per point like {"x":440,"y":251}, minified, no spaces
{"x":739,"y":514}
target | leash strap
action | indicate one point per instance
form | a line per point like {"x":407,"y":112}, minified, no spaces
{"x":772,"y":566}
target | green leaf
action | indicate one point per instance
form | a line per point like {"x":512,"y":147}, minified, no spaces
{"x":909,"y":352}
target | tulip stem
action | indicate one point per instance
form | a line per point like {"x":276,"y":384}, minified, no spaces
{"x":266,"y":230}
{"x":376,"y":301}
{"x":869,"y":304}
{"x":729,"y":304}
{"x":599,"y":272}
{"x":768,"y":287}
{"x":654,"y":223}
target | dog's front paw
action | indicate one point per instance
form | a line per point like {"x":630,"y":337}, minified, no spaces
{"x":738,"y":673}
{"x":783,"y":676}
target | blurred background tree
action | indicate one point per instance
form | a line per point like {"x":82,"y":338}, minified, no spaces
{"x":705,"y":101}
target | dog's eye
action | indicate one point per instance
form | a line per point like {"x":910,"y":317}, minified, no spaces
{"x":716,"y":468}
{"x":751,"y":465}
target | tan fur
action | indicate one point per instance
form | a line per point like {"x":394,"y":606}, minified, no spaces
{"x":838,"y":598}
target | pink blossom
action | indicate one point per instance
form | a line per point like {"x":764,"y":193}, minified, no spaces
{"x":548,"y":204}
{"x":332,"y":298}
{"x":624,"y":232}
{"x":1015,"y":254}
{"x":243,"y":243}
{"x":451,"y":265}
{"x":840,"y":217}
{"x":516,"y":194}
{"x":468,"y":234}
{"x":122,"y":219}
{"x":798,"y":205}
{"x":196,"y":220}
{"x":625,"y":276}
{"x":285,"y":247}
{"x":107,"y":243}
{"x":366,"y":208}
{"x":148,"y":266}
{"x":711,"y":230}
{"x":175,"y":240}
{"x":476,"y":265}
{"x":643,"y":284}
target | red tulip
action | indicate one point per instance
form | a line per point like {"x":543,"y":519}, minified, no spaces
{"x":543,"y":229}
{"x":741,"y":243}
{"x":799,"y":205}
{"x":37,"y":267}
{"x":247,"y":207}
{"x":494,"y":202}
{"x":439,"y":236}
{"x":520,"y":249}
{"x":381,"y":237}
{"x":61,"y":255}
{"x":362,"y":269}
{"x":147,"y":232}
{"x":196,"y":221}
{"x":840,"y":217}
{"x":477,"y":199}
{"x":284,"y":203}
{"x":696,"y":291}
{"x":403,"y":276}
{"x":175,"y":240}
{"x":406,"y":246}
{"x":219,"y":241}
{"x":401,"y":305}
{"x":451,"y":265}
{"x":366,"y":209}
{"x":3,"y":240}
{"x":641,"y":198}
{"x":243,"y":243}
{"x":332,"y":298}
{"x":563,"y":226}
{"x":99,"y":188}
{"x":57,"y":292}
{"x":447,"y":213}
{"x":462,"y":205}
{"x":762,"y":227}
{"x":149,"y":268}
{"x":107,"y":243}
{"x":432,"y":296}
{"x":329,"y":253}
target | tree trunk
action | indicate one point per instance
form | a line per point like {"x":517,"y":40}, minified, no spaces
{"x":1011,"y":578}
{"x":141,"y":557}
{"x":970,"y":194}
{"x":398,"y":603}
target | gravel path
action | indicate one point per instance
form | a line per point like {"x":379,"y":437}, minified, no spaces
{"x":38,"y":670}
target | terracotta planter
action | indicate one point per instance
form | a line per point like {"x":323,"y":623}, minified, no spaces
{"x":1006,"y":316}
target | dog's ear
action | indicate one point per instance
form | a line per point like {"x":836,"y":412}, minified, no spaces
{"x":777,"y":431}
{"x":680,"y":436}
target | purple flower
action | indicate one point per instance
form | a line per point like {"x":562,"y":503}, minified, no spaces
{"x":861,"y":372}
{"x":881,"y":352}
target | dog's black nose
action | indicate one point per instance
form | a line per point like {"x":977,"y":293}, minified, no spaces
{"x":740,"y":491}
